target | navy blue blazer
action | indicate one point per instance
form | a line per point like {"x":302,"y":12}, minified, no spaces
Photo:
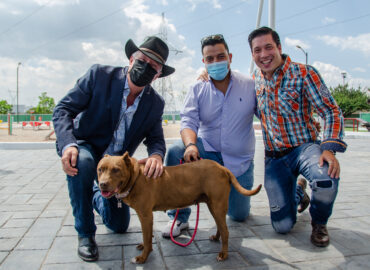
{"x":89,"y":113}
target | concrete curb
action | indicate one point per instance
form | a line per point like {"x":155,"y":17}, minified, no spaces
{"x":51,"y":145}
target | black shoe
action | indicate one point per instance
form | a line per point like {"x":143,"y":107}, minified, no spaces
{"x":320,"y":235}
{"x":87,"y":249}
{"x":305,"y":202}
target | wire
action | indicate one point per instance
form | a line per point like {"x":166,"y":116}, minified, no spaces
{"x":210,"y":15}
{"x":307,"y":11}
{"x":76,"y":30}
{"x":324,"y":26}
{"x":24,"y":19}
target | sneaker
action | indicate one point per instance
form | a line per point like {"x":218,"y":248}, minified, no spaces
{"x":320,"y":235}
{"x":179,"y":226}
{"x":305,"y":202}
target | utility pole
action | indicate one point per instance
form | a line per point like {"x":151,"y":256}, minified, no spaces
{"x":164,"y":85}
{"x":271,"y":21}
{"x":344,"y":75}
{"x":19,"y":63}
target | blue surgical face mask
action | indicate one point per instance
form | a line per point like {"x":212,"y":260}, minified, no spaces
{"x":218,"y":70}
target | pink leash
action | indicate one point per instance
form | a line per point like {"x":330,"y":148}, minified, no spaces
{"x":195,"y":229}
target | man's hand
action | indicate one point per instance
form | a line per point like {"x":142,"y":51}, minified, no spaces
{"x":153,"y":166}
{"x":334,"y":167}
{"x":191,"y":154}
{"x":69,"y":161}
{"x":203,"y":76}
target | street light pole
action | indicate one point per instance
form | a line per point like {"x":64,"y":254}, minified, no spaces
{"x":19,"y":63}
{"x":344,"y":75}
{"x":305,"y":53}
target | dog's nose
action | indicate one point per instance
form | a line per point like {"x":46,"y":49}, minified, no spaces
{"x":103,"y":185}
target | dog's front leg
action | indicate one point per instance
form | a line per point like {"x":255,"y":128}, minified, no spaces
{"x":146,"y":220}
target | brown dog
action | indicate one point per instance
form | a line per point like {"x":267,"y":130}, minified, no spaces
{"x":178,"y":186}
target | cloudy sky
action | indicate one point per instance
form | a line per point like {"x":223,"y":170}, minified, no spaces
{"x":56,"y":41}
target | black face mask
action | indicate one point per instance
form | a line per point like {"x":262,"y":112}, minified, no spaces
{"x":142,"y":73}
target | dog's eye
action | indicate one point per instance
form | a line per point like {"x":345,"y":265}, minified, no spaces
{"x":115,"y":170}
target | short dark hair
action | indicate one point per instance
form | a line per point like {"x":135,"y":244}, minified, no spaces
{"x":261,"y":32}
{"x":213,"y":40}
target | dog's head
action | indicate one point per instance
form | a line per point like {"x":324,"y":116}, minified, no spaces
{"x":115,"y":174}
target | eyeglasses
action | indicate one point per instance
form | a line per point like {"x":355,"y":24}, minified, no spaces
{"x":204,"y":40}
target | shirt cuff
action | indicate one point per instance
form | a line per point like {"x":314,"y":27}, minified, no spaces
{"x":335,"y":145}
{"x":69,"y":145}
{"x":157,"y":153}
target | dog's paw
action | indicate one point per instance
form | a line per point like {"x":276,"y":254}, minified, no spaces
{"x":138,"y":260}
{"x":222,"y":256}
{"x":140,"y":246}
{"x":214,"y":238}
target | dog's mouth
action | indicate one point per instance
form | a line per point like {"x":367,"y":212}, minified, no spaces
{"x":108,"y":193}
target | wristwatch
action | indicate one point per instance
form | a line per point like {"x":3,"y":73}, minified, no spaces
{"x":190,"y":144}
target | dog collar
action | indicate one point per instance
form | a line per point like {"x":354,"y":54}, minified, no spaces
{"x":122,"y":195}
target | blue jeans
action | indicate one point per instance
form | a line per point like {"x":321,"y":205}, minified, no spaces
{"x":285,"y":195}
{"x":239,"y":205}
{"x":85,"y":195}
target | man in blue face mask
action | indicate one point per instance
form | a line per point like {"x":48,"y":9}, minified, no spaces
{"x":217,"y":124}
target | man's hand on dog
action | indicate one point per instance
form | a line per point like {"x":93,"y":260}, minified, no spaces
{"x":191,"y":154}
{"x":153,"y":166}
{"x":69,"y":161}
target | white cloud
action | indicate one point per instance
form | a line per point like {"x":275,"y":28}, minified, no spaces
{"x":332,"y":76}
{"x":328,"y":20}
{"x":194,"y":3}
{"x":294,"y":42}
{"x":358,"y":43}
{"x":57,"y":2}
{"x":359,"y":69}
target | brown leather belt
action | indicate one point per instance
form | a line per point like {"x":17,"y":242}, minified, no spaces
{"x":278,"y":154}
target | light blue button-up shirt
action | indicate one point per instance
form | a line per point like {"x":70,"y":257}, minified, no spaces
{"x":224,"y":122}
{"x":124,"y":122}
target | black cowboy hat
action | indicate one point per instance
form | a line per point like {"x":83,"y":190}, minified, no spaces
{"x":155,"y":49}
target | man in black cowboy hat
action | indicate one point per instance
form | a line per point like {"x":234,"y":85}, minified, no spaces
{"x":110,"y":110}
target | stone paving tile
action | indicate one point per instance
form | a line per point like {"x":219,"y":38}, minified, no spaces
{"x":26,"y":214}
{"x":18,"y":223}
{"x":359,"y":262}
{"x":44,"y":227}
{"x":34,"y":243}
{"x":85,"y":266}
{"x":12,"y":232}
{"x":3,"y":255}
{"x":24,"y":259}
{"x":153,"y":262}
{"x":7,"y":244}
{"x":205,"y":262}
{"x":256,"y":252}
{"x":4,"y":216}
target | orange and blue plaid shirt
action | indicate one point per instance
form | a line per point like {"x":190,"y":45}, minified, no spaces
{"x":285,"y":107}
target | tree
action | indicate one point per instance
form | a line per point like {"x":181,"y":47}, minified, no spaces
{"x":5,"y":108}
{"x":350,"y":100}
{"x":46,"y":104}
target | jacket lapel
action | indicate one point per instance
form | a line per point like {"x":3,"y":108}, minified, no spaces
{"x":140,"y":115}
{"x":117,"y":95}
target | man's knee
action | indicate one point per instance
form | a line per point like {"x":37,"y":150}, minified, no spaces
{"x":118,"y":224}
{"x":174,"y":154}
{"x":283,"y":226}
{"x":324,"y":190}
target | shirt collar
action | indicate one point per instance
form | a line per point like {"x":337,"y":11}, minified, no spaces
{"x":126,"y":90}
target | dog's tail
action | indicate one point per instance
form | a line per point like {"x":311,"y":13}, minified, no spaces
{"x":240,"y":189}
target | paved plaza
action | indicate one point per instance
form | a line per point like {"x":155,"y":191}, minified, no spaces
{"x":36,"y":224}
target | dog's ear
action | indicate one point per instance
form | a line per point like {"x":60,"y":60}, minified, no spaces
{"x":106,"y":155}
{"x":126,"y":159}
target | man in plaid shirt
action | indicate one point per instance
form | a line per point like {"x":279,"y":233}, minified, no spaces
{"x":287,"y":93}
